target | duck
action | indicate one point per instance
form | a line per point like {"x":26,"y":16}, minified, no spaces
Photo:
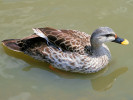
{"x":68,"y":50}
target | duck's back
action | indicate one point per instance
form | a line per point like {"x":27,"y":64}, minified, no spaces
{"x":67,"y":40}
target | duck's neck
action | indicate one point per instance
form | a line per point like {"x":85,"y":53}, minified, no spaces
{"x":100,"y":50}
{"x":96,"y":46}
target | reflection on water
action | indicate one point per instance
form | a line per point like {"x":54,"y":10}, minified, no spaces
{"x":99,"y":81}
{"x":103,"y":83}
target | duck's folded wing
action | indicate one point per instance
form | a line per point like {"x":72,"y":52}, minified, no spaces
{"x":68,"y":40}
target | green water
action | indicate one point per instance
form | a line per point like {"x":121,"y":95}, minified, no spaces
{"x":22,"y":78}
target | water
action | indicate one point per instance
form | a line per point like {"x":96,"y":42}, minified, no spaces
{"x":23,"y":78}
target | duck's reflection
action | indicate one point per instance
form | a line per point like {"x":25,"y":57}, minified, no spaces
{"x":99,"y":81}
{"x":103,"y":83}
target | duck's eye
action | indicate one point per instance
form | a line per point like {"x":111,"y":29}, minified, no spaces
{"x":108,"y":35}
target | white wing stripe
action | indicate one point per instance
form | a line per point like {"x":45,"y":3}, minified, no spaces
{"x":40,"y":33}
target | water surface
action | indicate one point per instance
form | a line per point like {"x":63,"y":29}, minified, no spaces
{"x":23,"y":78}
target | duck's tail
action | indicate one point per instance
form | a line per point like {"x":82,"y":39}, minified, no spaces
{"x":12,"y":44}
{"x":19,"y":45}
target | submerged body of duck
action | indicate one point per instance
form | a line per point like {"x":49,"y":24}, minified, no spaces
{"x":68,"y":50}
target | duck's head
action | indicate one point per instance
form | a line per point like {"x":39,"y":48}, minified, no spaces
{"x":106,"y":34}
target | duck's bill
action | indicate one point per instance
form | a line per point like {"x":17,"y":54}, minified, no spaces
{"x":121,"y":41}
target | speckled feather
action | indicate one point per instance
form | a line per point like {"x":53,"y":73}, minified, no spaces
{"x":65,"y":50}
{"x":67,"y":40}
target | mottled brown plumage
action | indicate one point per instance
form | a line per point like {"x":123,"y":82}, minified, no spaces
{"x":67,"y":40}
{"x":69,"y":50}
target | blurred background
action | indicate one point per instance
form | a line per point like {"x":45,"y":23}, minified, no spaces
{"x":23,"y":78}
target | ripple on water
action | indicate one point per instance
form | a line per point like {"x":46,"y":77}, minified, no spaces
{"x":21,"y":96}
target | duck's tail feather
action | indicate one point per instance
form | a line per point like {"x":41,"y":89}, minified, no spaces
{"x":20,"y":45}
{"x":12,"y":44}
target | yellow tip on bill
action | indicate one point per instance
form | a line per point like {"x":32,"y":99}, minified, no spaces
{"x":125,"y":42}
